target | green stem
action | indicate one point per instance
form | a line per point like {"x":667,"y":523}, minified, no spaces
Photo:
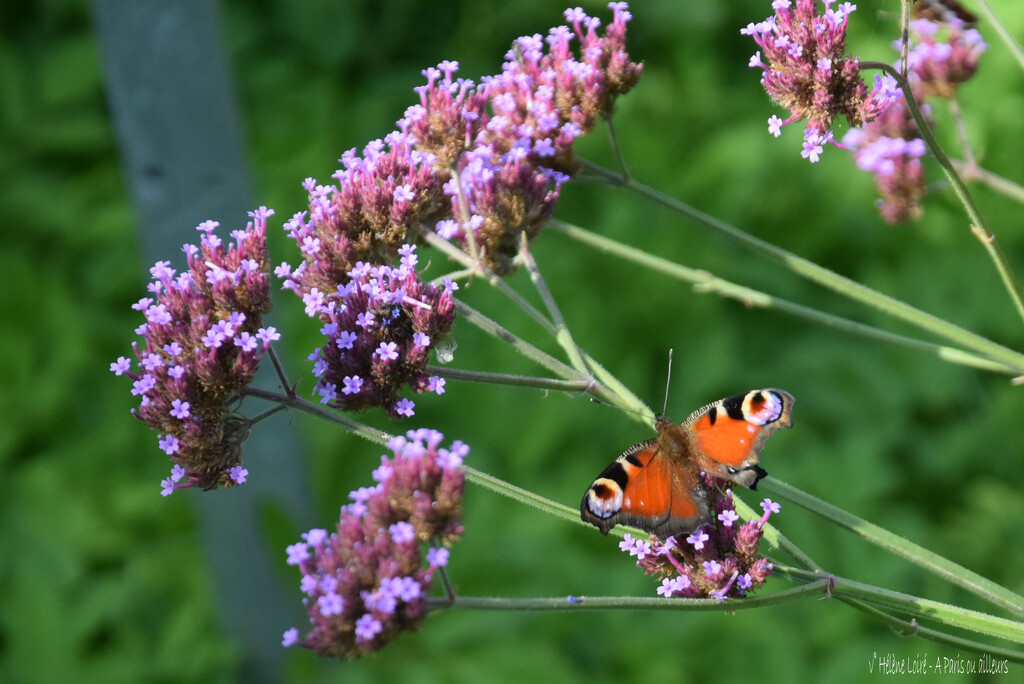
{"x":575,"y":386}
{"x":834,"y":281}
{"x":620,"y":396}
{"x":957,"y":183}
{"x":1003,"y":186}
{"x":957,"y":114}
{"x":562,"y":334}
{"x":279,"y":368}
{"x":522,"y":346}
{"x":477,"y":268}
{"x":1009,"y":278}
{"x":619,"y":157}
{"x":934,"y":563}
{"x":705,"y":282}
{"x":979,"y":225}
{"x":912,"y":606}
{"x":521,"y":495}
{"x":588,"y":603}
{"x":266,"y":414}
{"x":911,"y":628}
{"x":1011,"y":43}
{"x":330,"y":415}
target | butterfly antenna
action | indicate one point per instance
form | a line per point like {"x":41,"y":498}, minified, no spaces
{"x":668,"y":379}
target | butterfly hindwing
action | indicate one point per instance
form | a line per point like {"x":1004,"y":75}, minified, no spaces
{"x":646,"y":489}
{"x":726,"y":437}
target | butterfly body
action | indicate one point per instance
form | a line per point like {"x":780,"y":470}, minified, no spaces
{"x":656,"y":485}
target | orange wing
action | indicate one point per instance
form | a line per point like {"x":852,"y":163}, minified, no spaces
{"x":644,"y":489}
{"x":726,"y":437}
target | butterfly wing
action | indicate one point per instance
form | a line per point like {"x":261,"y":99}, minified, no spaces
{"x":644,"y":488}
{"x":726,"y":437}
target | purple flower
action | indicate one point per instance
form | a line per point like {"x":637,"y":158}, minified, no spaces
{"x":169,"y":444}
{"x":805,"y":69}
{"x":402,"y":532}
{"x":712,"y":567}
{"x":166,"y":487}
{"x":330,"y":604}
{"x":718,"y":560}
{"x":297,"y":553}
{"x":674,"y":585}
{"x":404,"y":407}
{"x":436,"y":384}
{"x":437,"y":557}
{"x":728,"y":517}
{"x":188,"y":377}
{"x":290,"y":637}
{"x":353,"y":384}
{"x":387,"y":351}
{"x":379,"y":329}
{"x":940,"y":60}
{"x":179,"y":409}
{"x":367,"y":627}
{"x":482,"y":162}
{"x":697,"y":539}
{"x":366,"y":582}
{"x":238,"y":474}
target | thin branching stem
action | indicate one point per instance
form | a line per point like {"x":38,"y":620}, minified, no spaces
{"x":1008,"y":39}
{"x":572,"y":386}
{"x":832,"y":280}
{"x":292,"y":401}
{"x":705,"y":282}
{"x":562,"y":334}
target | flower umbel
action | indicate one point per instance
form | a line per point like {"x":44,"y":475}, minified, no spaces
{"x":380,"y":327}
{"x":806,"y":70}
{"x":718,"y":560}
{"x":942,"y":56}
{"x":892,"y":149}
{"x":481,"y":164}
{"x":508,"y":164}
{"x":367,"y":582}
{"x":203,"y":338}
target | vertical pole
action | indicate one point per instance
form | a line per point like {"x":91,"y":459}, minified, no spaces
{"x":172,"y":102}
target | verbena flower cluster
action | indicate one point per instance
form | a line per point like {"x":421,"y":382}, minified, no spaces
{"x":367,"y":582}
{"x":718,"y":560}
{"x":807,"y":71}
{"x":891,"y":146}
{"x":892,"y":149}
{"x":203,"y":339}
{"x":379,"y":326}
{"x":942,"y":56}
{"x":481,"y":164}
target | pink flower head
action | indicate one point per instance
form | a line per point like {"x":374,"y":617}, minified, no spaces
{"x":366,"y":582}
{"x":718,"y":560}
{"x":202,"y":341}
{"x":380,"y":327}
{"x":806,"y":70}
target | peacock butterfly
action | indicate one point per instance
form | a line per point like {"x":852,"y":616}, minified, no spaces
{"x":656,"y":485}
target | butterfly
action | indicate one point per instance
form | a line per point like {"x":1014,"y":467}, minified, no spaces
{"x":656,"y":485}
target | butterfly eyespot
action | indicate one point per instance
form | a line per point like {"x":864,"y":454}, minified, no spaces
{"x":731,"y":470}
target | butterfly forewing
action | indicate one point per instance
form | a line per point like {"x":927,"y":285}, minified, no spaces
{"x":726,"y":437}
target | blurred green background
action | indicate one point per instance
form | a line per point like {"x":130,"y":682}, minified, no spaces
{"x":104,"y":580}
